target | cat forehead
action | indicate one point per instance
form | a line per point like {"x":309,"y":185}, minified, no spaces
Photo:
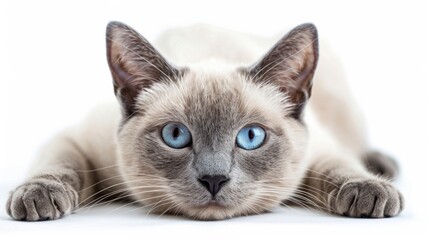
{"x":213,"y":90}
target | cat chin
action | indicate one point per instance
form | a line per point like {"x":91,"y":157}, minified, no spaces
{"x":207,"y":212}
{"x":210,"y":213}
{"x":213,"y":211}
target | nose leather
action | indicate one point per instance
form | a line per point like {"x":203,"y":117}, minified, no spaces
{"x":213,"y":183}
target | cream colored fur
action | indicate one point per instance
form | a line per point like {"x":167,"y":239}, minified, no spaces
{"x":335,"y":128}
{"x":334,"y":122}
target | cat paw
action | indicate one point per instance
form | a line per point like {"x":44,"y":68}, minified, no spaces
{"x":367,"y":199}
{"x":41,"y":199}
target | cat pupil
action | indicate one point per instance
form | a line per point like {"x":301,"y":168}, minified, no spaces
{"x":176,"y":132}
{"x":251,"y":134}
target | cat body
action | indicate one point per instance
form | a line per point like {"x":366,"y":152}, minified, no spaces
{"x":313,"y":153}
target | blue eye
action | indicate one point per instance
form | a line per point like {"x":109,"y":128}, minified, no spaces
{"x":251,"y":137}
{"x":176,"y":135}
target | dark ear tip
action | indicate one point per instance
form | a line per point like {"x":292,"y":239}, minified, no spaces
{"x":112,"y":24}
{"x":307,"y":27}
{"x":115,"y":25}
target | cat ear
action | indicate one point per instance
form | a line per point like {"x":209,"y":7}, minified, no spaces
{"x":290,"y":64}
{"x":134,"y":63}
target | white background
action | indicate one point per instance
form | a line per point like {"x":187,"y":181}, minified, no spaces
{"x":53,"y":71}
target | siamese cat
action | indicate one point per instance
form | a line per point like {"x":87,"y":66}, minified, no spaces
{"x":213,"y":124}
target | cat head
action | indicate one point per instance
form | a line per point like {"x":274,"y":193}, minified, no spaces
{"x":211,"y":141}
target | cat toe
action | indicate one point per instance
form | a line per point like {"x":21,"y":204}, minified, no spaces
{"x":39,"y":200}
{"x":368,"y":199}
